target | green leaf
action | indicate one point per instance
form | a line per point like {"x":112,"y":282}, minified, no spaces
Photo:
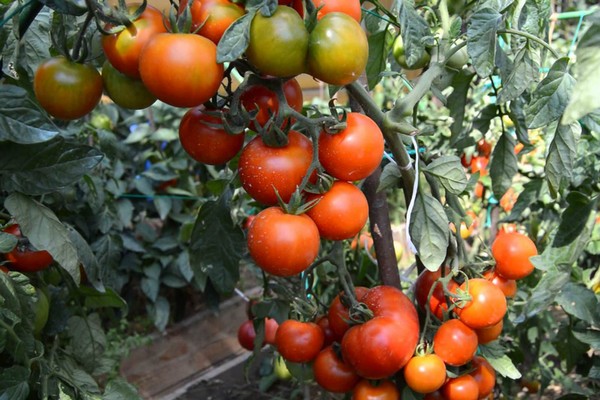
{"x":70,"y":7}
{"x":528,"y":196}
{"x":87,"y":258}
{"x":589,"y":336}
{"x":574,"y":218}
{"x":160,"y":311}
{"x":390,"y":177}
{"x":120,"y":389}
{"x":217,"y":245}
{"x":41,"y":168}
{"x":409,"y":394}
{"x":551,"y":96}
{"x":429,"y":231}
{"x":585,"y":97}
{"x":74,"y":377}
{"x":544,"y":293}
{"x":379,"y":47}
{"x":457,"y":102}
{"x":517,"y":116}
{"x":236,"y":38}
{"x":525,"y":72}
{"x":561,"y":157}
{"x":504,"y":165}
{"x":96,"y":299}
{"x":413,"y":29}
{"x":498,"y":359}
{"x":7,"y":242}
{"x":44,"y":230}
{"x":580,"y":302}
{"x":482,"y":123}
{"x":450,"y":173}
{"x":481,"y":39}
{"x":14,"y":383}
{"x":88,"y":340}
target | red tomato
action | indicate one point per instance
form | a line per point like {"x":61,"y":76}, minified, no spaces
{"x":283,"y":244}
{"x":338,"y":312}
{"x":4,"y":269}
{"x":205,"y":142}
{"x":330,"y":335}
{"x":25,"y":259}
{"x":509,"y":199}
{"x":462,"y":388}
{"x":484,"y":148}
{"x":246,"y":335}
{"x":264,"y":169}
{"x":355,"y":152}
{"x":299,"y":342}
{"x":384,"y":390}
{"x":487,"y":306}
{"x":123,"y":49}
{"x":332,"y":374}
{"x":295,"y":4}
{"x":487,"y":335}
{"x":271,"y":327}
{"x":341,"y":213}
{"x":512,"y":252}
{"x":350,"y":7}
{"x":484,"y":375}
{"x":508,"y":286}
{"x":181,"y":69}
{"x":425,"y":374}
{"x":437,"y":301}
{"x":455,"y":343}
{"x":263,"y":99}
{"x":479,"y":164}
{"x":214,"y":17}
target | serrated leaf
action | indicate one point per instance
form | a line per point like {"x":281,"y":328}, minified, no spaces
{"x":7,"y":242}
{"x":457,"y":102}
{"x":580,"y":302}
{"x":524,"y":73}
{"x":574,"y":218}
{"x":429,"y":231}
{"x":503,"y":165}
{"x":235,"y":39}
{"x":551,"y":96}
{"x":450,"y":173}
{"x":561,"y":157}
{"x":500,"y":361}
{"x":390,"y":177}
{"x":379,"y":45}
{"x":481,"y":39}
{"x":14,"y":383}
{"x":413,"y":29}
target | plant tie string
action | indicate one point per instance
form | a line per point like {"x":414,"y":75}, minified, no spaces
{"x":413,"y":197}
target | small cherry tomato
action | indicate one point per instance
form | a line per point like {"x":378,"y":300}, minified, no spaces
{"x":425,"y":374}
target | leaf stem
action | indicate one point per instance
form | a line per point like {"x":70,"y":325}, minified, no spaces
{"x":530,"y":37}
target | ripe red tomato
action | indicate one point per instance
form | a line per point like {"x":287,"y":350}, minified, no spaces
{"x":124,"y":90}
{"x":350,"y":7}
{"x":65,"y":89}
{"x":337,"y":49}
{"x":425,"y":374}
{"x":214,"y":17}
{"x":338,"y":312}
{"x":295,"y":4}
{"x":298,"y":341}
{"x":437,"y":301}
{"x":455,"y":343}
{"x":181,"y":69}
{"x":487,"y":306}
{"x":4,"y":269}
{"x":509,"y":199}
{"x":355,"y":152}
{"x":246,"y":335}
{"x":264,"y":169}
{"x":271,"y":327}
{"x":123,"y":49}
{"x":263,"y":99}
{"x":507,"y":286}
{"x":484,"y":375}
{"x":283,"y":244}
{"x":205,"y":142}
{"x":332,"y":374}
{"x":462,"y":388}
{"x":512,"y":252}
{"x":25,"y":259}
{"x":385,"y":390}
{"x":479,"y":164}
{"x":484,"y":148}
{"x":329,"y":334}
{"x":278,"y":44}
{"x":341,"y":213}
{"x":487,"y":335}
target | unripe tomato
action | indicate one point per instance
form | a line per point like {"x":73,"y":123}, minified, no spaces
{"x":181,"y":69}
{"x":384,"y":390}
{"x":484,"y":375}
{"x":349,"y":7}
{"x":204,"y":141}
{"x":283,"y":244}
{"x":338,"y":313}
{"x":487,"y":306}
{"x":455,"y":343}
{"x":459,"y":59}
{"x":462,"y":388}
{"x":124,"y":90}
{"x":214,"y":17}
{"x":400,"y":57}
{"x":23,"y":258}
{"x":298,"y":341}
{"x":355,"y":152}
{"x":332,"y":373}
{"x":425,"y":374}
{"x":487,"y":335}
{"x":65,"y":89}
{"x":507,"y":286}
{"x":337,"y":50}
{"x":41,"y":308}
{"x":281,"y":370}
{"x":278,"y":44}
{"x":266,"y":103}
{"x":512,"y":252}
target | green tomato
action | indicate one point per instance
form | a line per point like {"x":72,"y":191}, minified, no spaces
{"x":458,"y":59}
{"x":42,"y":307}
{"x":124,"y":90}
{"x":281,"y":370}
{"x":398,"y":51}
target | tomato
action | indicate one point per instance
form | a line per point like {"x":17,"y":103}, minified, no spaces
{"x":65,"y":89}
{"x":281,"y":370}
{"x":248,"y":221}
{"x":283,"y":244}
{"x":295,"y":4}
{"x":271,"y":327}
{"x":332,"y":374}
{"x":487,"y":306}
{"x":123,"y":49}
{"x":400,"y":57}
{"x":425,"y":374}
{"x":372,"y":349}
{"x":278,"y":44}
{"x":25,"y":259}
{"x":462,"y":388}
{"x":484,"y":148}
{"x":507,"y":286}
{"x":214,"y":17}
{"x":338,"y":312}
{"x":459,"y":59}
{"x":41,"y":309}
{"x":479,"y":190}
{"x":181,"y":69}
{"x":4,"y":269}
{"x":508,"y":199}
{"x":265,"y":101}
{"x":350,"y":7}
{"x":298,"y":341}
{"x":204,"y":141}
{"x":124,"y":90}
{"x":437,"y":301}
{"x":355,"y":152}
{"x":484,"y":375}
{"x":455,"y":343}
{"x":264,"y":169}
{"x":487,"y":335}
{"x":363,"y":241}
{"x":385,"y":390}
{"x":330,"y":335}
{"x":341,"y":212}
{"x":465,"y":160}
{"x":246,"y":335}
{"x":479,"y":164}
{"x":337,"y":50}
{"x":512,"y":252}
{"x":437,"y":395}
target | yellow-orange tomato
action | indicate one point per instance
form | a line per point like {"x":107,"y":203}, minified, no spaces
{"x":512,"y":252}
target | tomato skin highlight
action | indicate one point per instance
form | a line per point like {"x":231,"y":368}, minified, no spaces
{"x":263,"y":168}
{"x":125,"y":91}
{"x":425,"y":374}
{"x":512,"y":252}
{"x":385,"y":390}
{"x":462,"y":388}
{"x":65,"y":89}
{"x":355,"y":152}
{"x":455,"y":343}
{"x":487,"y":306}
{"x":332,"y":374}
{"x":283,"y":244}
{"x":341,"y":212}
{"x":206,"y":143}
{"x":299,"y":342}
{"x":181,"y":69}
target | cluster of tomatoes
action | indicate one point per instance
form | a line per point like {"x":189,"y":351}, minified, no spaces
{"x":24,"y":257}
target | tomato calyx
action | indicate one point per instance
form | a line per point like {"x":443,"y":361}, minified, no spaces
{"x":116,"y":19}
